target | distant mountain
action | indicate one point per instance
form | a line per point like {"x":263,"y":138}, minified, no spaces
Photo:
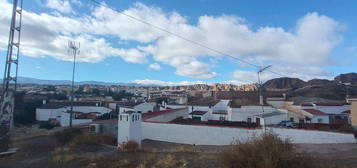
{"x":347,"y":78}
{"x":321,"y":88}
{"x":284,"y":84}
{"x":26,"y":80}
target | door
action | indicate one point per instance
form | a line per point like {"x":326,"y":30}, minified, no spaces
{"x":257,"y":121}
{"x":196,"y":118}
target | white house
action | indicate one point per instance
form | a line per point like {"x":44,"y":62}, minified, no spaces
{"x":143,"y":107}
{"x":146,"y":107}
{"x":336,"y":112}
{"x":129,"y":127}
{"x":272,"y":118}
{"x":246,"y":112}
{"x":232,"y":110}
{"x":60,"y":111}
{"x":316,"y":116}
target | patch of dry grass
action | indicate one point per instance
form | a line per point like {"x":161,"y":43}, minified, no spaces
{"x":130,"y":146}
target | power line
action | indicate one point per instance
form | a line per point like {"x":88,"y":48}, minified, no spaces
{"x":182,"y":37}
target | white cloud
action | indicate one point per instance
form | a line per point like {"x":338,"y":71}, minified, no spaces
{"x":245,"y":77}
{"x":47,"y":35}
{"x":166,"y":83}
{"x":155,"y":66}
{"x":63,"y":6}
{"x":307,"y":47}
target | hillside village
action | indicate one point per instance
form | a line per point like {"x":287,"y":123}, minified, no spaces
{"x":279,"y":110}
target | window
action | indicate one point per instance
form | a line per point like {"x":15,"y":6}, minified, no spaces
{"x":292,"y":119}
{"x":120,"y":117}
{"x":133,"y":117}
{"x":127,"y":118}
{"x":319,"y":120}
{"x":249,"y":120}
{"x":222,"y":118}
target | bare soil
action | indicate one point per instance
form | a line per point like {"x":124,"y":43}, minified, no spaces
{"x":37,"y":151}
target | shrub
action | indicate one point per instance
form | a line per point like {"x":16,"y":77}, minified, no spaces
{"x":267,"y":151}
{"x":130,"y":146}
{"x":65,"y":136}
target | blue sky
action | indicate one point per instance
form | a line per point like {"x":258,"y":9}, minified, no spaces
{"x":301,"y":39}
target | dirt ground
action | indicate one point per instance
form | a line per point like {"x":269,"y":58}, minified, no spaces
{"x":38,"y":151}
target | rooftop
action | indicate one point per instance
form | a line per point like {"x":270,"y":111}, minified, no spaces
{"x":56,"y":105}
{"x":154,"y":114}
{"x":314,"y":112}
{"x":198,"y":112}
{"x":265,"y":115}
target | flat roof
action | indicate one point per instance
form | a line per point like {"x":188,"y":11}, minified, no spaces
{"x":269,"y":114}
{"x":198,"y":112}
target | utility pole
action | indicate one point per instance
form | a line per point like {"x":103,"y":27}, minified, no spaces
{"x":10,"y":76}
{"x":261,"y":99}
{"x":73,"y":49}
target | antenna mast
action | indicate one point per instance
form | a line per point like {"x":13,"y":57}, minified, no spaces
{"x":73,"y":49}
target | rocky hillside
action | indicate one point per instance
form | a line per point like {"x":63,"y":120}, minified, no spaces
{"x":280,"y":84}
{"x":322,"y":88}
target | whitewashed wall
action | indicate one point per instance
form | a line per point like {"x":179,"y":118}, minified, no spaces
{"x":124,"y":109}
{"x":144,"y":107}
{"x":210,"y":135}
{"x":245,"y":112}
{"x":272,"y":120}
{"x":171,"y":106}
{"x":64,"y":121}
{"x":325,"y":119}
{"x":45,"y":114}
{"x":88,"y":109}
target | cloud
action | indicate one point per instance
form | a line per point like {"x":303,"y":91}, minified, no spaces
{"x":305,"y":73}
{"x":306,"y":46}
{"x":155,"y":66}
{"x":166,"y":83}
{"x":63,"y":6}
{"x":47,"y":35}
{"x":245,"y":77}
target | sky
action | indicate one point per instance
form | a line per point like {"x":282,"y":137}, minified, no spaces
{"x":300,"y":39}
